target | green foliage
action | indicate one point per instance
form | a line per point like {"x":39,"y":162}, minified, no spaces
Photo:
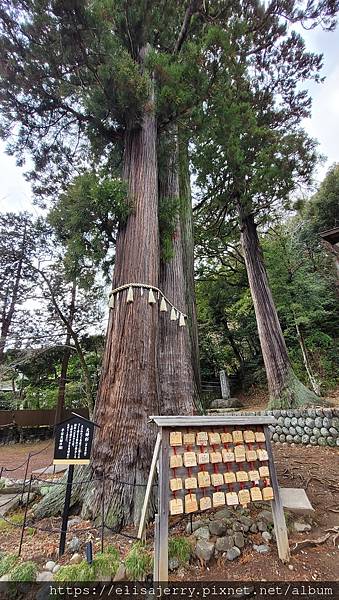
{"x":180,"y":548}
{"x":168,"y":215}
{"x":138,"y":562}
{"x":7,"y":563}
{"x":25,"y":571}
{"x":323,"y":208}
{"x":11,"y":522}
{"x":104,"y":564}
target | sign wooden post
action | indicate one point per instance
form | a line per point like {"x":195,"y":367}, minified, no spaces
{"x":73,"y":443}
{"x":206,"y":462}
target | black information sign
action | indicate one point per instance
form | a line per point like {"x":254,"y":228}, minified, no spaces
{"x":73,"y":441}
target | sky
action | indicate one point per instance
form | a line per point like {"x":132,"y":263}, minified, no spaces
{"x":16,"y":195}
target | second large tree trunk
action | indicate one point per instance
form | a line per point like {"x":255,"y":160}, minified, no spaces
{"x":178,"y":392}
{"x":128,"y":391}
{"x":284,"y":387}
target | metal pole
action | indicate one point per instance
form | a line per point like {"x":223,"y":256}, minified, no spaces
{"x":25,"y":515}
{"x":66,"y":510}
{"x":24,"y":484}
{"x":103,"y":513}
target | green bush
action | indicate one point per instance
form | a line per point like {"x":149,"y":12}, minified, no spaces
{"x":7,"y":563}
{"x":25,"y":571}
{"x":81,"y":572}
{"x":180,"y":548}
{"x":138,"y":562}
{"x":104,"y":564}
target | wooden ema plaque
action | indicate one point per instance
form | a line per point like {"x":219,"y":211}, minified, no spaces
{"x":210,"y":462}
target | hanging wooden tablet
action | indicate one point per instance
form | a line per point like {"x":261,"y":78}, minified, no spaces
{"x":191,"y":504}
{"x":214,"y":438}
{"x":240,"y":453}
{"x":175,"y":438}
{"x":260,"y":436}
{"x":215,"y":457}
{"x":217,"y":479}
{"x":255,"y":494}
{"x":251,"y":455}
{"x":190,"y":459}
{"x":229,"y":477}
{"x":267,"y":493}
{"x":175,"y":484}
{"x":202,"y":438}
{"x":205,"y":503}
{"x":226,"y":438}
{"x":232,"y":499}
{"x":227,"y":456}
{"x":237,"y":436}
{"x":249,"y":437}
{"x":191,"y":483}
{"x":244,"y":497}
{"x":176,"y":506}
{"x":262,"y":454}
{"x":203,"y":458}
{"x":241,"y":476}
{"x":253,"y":475}
{"x":189,"y":439}
{"x":264,"y":472}
{"x":204,"y":479}
{"x":176,"y":461}
{"x":218,"y":499}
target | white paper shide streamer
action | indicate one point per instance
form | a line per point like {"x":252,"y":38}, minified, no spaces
{"x":154,"y":295}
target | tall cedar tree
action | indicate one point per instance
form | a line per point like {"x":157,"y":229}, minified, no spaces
{"x":251,"y":155}
{"x":112,"y":76}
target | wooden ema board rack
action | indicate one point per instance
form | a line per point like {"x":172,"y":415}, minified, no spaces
{"x":210,"y":462}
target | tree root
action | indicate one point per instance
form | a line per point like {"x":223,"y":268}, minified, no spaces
{"x":52,"y":504}
{"x":306,"y":543}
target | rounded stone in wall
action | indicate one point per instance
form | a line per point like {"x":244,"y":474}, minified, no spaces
{"x":294,"y":421}
{"x":334,"y":432}
{"x":337,"y":442}
{"x":287,"y":421}
{"x":335,"y":422}
{"x":328,"y":413}
{"x":297,"y":439}
{"x":330,"y":441}
{"x":278,"y":429}
{"x":271,"y":428}
{"x":311,"y":413}
{"x":309,"y":422}
{"x":293,"y":431}
{"x":276,"y":413}
{"x":281,"y":437}
{"x":283,"y":413}
{"x":324,"y":432}
{"x":319,"y":412}
{"x":275,"y":437}
{"x":322,"y":441}
{"x":305,"y":439}
{"x":299,"y":430}
{"x":301,"y":422}
{"x":318,"y":422}
{"x":316,"y":432}
{"x":290,"y":413}
{"x":326,"y":422}
{"x":297,"y":414}
{"x":280,"y":421}
{"x":289,"y":439}
{"x":285,"y":430}
{"x":313,"y":440}
{"x":308,"y":430}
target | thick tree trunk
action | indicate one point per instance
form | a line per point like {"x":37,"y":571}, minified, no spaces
{"x":128,"y":391}
{"x":65,"y":359}
{"x":178,"y":393}
{"x":284,"y":387}
{"x":186,"y":222}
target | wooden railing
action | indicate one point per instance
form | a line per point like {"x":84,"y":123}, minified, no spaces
{"x":35,"y":418}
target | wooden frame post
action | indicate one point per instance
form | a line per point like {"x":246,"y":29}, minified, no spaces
{"x":277,"y":506}
{"x":163,"y":505}
{"x":155,"y":457}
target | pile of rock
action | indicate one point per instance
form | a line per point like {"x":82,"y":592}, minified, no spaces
{"x":314,"y":426}
{"x":227,"y":532}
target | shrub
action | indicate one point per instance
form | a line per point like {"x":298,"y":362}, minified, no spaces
{"x":25,"y":571}
{"x":81,"y":572}
{"x":180,"y":548}
{"x":7,"y":563}
{"x":138,"y":562}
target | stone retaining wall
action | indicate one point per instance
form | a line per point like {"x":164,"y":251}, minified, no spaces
{"x":16,"y":435}
{"x":315,"y":426}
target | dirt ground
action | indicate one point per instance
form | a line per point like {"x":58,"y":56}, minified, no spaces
{"x":14,"y":455}
{"x":314,"y":469}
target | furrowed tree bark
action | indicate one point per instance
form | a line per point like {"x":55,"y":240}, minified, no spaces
{"x":178,"y":392}
{"x":285,"y":389}
{"x":187,"y":237}
{"x":128,"y":391}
